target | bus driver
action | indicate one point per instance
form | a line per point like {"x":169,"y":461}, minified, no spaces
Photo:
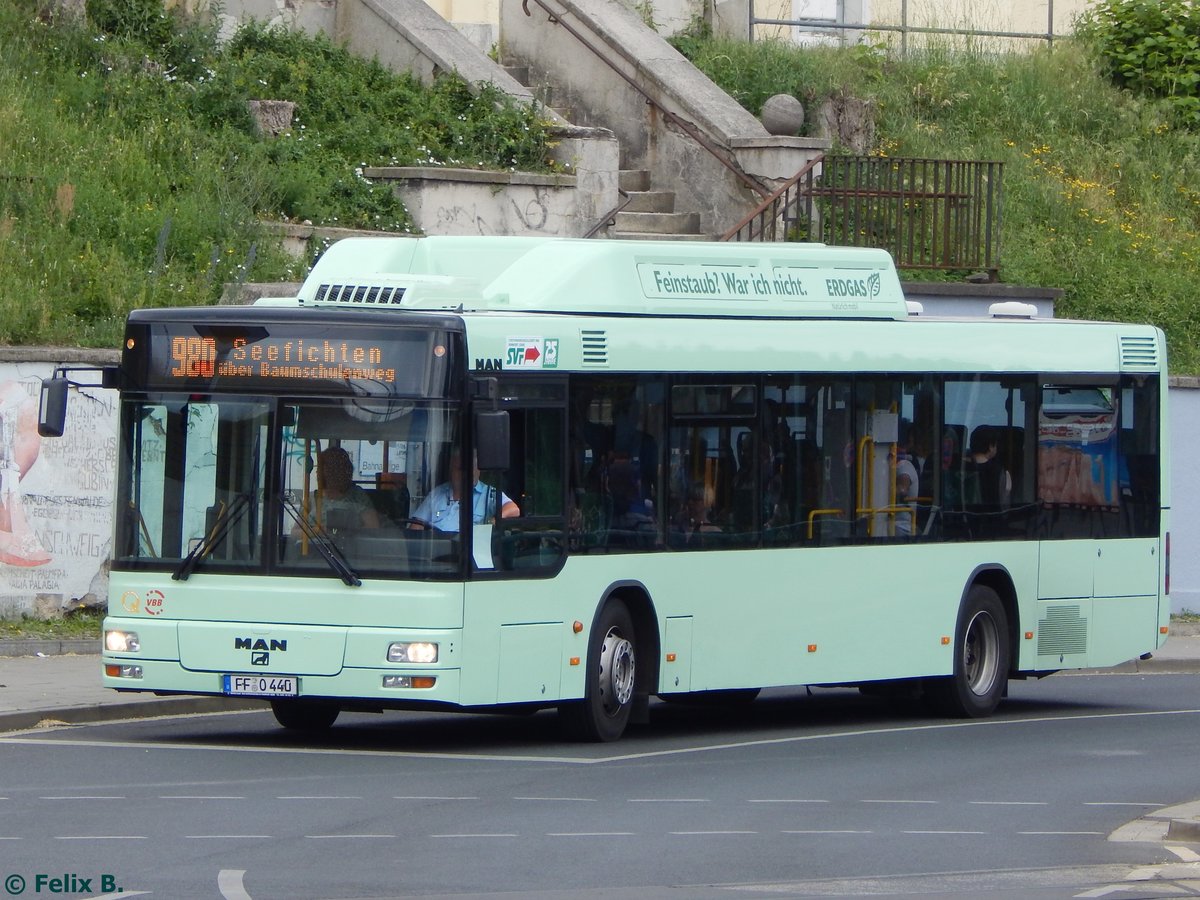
{"x":440,"y":508}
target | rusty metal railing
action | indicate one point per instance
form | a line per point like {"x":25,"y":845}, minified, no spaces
{"x":928,"y":213}
{"x":719,"y":153}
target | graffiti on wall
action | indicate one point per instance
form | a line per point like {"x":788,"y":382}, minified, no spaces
{"x":55,"y":497}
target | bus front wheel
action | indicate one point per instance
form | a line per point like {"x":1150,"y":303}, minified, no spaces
{"x":610,"y":677}
{"x":981,"y":657}
{"x":305,"y":715}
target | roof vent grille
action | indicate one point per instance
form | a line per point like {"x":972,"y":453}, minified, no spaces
{"x":358,"y":295}
{"x":1139,"y":353}
{"x":595,"y":347}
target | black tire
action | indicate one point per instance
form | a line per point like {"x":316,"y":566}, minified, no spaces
{"x":610,"y":679}
{"x":305,"y":715}
{"x":981,"y":658}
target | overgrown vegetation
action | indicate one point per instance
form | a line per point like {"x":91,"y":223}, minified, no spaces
{"x":81,"y":625}
{"x":1150,"y":46}
{"x":131,"y":173}
{"x":1099,"y":194}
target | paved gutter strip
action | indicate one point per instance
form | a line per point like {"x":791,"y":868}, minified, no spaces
{"x":48,"y":647}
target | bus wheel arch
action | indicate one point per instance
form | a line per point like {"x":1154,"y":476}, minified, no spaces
{"x":983,"y":648}
{"x":621,"y":664}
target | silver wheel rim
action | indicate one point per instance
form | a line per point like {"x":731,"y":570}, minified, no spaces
{"x":981,"y":654}
{"x":616,"y":672}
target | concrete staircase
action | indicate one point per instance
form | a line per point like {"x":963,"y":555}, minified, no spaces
{"x":649,"y":214}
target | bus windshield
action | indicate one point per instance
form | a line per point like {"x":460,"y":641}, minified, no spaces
{"x":301,"y":486}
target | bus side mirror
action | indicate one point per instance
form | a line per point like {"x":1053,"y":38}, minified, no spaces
{"x":491,"y":439}
{"x":52,"y":413}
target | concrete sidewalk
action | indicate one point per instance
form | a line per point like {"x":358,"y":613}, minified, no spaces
{"x":65,"y":689}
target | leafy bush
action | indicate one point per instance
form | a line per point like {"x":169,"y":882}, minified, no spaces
{"x":1151,"y":47}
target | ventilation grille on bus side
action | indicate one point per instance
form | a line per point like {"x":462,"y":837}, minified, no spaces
{"x":1139,"y":353}
{"x":595,"y":347}
{"x":359,"y":294}
{"x":1062,"y":632}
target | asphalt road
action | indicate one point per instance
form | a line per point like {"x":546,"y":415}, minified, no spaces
{"x":829,"y":794}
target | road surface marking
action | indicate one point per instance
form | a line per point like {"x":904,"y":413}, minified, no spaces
{"x":226,"y":837}
{"x":1009,"y":802}
{"x":473,"y":835}
{"x":142,"y":746}
{"x":229,"y":883}
{"x":325,"y":837}
{"x":591,"y":833}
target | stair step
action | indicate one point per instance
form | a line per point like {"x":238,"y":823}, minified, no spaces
{"x":659,"y":223}
{"x":649,"y":236}
{"x":651,"y":202}
{"x":519,"y":72}
{"x":633,"y":180}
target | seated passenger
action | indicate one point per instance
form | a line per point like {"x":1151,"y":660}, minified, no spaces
{"x":693,"y":522}
{"x":440,"y":508}
{"x":338,"y":503}
{"x":392,"y":499}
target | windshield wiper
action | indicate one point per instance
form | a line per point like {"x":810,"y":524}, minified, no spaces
{"x":327,"y":548}
{"x":225,"y":520}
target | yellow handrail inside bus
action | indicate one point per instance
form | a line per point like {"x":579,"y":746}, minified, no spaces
{"x":821,"y":512}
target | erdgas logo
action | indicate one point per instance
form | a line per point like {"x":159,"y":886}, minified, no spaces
{"x":853,"y":287}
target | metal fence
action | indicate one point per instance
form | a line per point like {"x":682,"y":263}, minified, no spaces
{"x":850,"y":31}
{"x":928,"y":213}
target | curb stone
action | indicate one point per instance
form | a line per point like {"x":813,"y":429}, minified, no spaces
{"x":25,"y":720}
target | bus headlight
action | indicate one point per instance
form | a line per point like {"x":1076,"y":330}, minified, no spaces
{"x":412,"y":652}
{"x":122,"y":641}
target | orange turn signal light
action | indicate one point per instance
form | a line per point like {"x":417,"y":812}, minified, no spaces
{"x":670,"y":657}
{"x":577,"y":627}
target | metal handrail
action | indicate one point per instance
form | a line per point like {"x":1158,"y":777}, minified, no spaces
{"x":683,"y":125}
{"x":610,"y":217}
{"x":770,"y":204}
{"x":929,"y":213}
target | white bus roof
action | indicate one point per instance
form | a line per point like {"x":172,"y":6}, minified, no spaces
{"x":602,"y":277}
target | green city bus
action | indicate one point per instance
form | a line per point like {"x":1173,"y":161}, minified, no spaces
{"x":695,"y":470}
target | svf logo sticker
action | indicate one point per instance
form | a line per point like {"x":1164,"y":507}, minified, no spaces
{"x":531,"y":353}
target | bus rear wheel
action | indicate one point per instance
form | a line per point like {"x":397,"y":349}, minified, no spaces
{"x":610,"y":678}
{"x":305,"y":715}
{"x":981,"y":658}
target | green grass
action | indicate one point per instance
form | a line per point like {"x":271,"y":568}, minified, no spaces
{"x":131,"y":174}
{"x":81,"y":625}
{"x":1100,"y":197}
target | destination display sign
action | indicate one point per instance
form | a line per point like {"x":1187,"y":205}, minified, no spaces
{"x":303,"y":357}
